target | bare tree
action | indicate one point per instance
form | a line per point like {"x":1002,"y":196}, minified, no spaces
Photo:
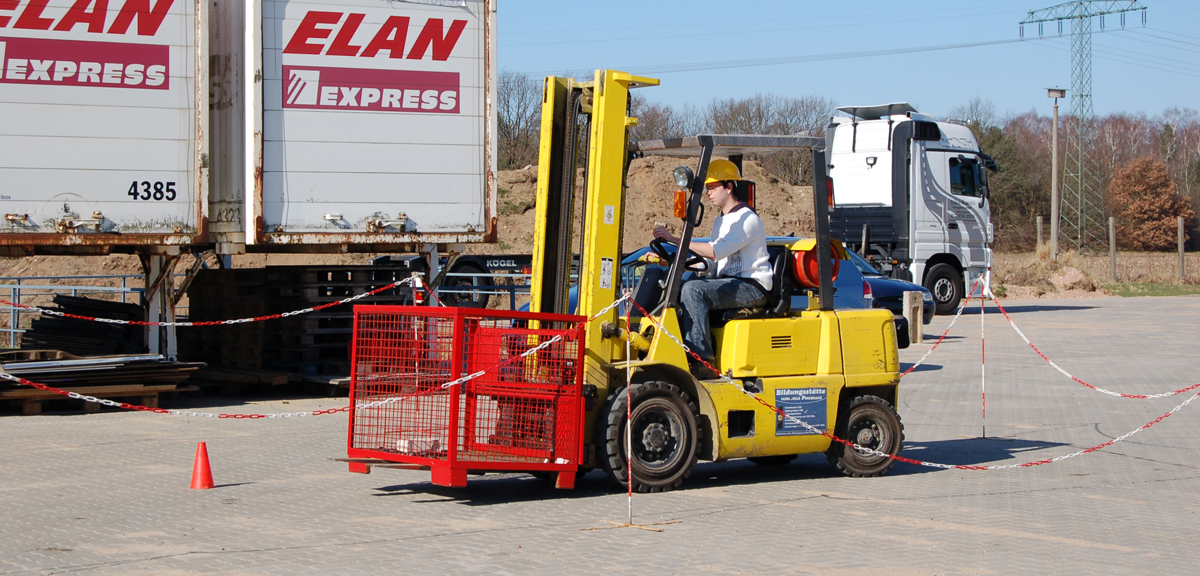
{"x":663,"y":121}
{"x":518,"y":119}
{"x":977,"y":111}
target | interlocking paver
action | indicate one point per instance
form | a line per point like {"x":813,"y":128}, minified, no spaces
{"x":108,"y":493}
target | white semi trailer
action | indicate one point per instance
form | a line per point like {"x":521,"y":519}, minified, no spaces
{"x":104,"y":138}
{"x":354,"y":124}
{"x":911,"y":194}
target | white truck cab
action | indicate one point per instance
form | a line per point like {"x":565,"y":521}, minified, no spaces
{"x":911,"y":194}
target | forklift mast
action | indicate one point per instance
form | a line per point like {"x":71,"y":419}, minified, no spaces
{"x":599,"y":111}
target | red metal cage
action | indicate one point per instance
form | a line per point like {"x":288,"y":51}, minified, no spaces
{"x":523,"y":412}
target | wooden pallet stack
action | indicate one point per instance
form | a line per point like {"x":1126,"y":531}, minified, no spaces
{"x":226,"y":295}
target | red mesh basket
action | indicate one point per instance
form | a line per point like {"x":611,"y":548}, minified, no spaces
{"x":521,"y":413}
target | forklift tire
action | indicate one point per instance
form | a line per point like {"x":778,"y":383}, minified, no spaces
{"x":665,"y":436}
{"x":871,"y":422}
{"x":946,"y":284}
{"x":783,"y":460}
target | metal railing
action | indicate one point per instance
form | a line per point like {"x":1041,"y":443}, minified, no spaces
{"x":20,"y":290}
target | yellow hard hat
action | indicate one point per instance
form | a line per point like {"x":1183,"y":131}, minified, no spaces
{"x":720,"y":170}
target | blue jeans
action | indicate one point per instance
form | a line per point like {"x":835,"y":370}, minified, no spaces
{"x":700,"y":296}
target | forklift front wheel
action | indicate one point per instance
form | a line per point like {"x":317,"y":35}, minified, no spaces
{"x":665,"y":436}
{"x":870,"y":422}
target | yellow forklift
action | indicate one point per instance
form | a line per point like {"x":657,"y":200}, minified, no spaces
{"x":835,"y":371}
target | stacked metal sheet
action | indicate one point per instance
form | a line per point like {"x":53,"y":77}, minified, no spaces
{"x":138,"y":376}
{"x":84,"y":338}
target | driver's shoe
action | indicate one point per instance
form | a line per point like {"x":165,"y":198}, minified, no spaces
{"x":702,"y":371}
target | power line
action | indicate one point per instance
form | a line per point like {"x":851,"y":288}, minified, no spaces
{"x":1178,"y":34}
{"x":1118,"y":57}
{"x":1186,"y":63}
{"x":660,"y":69}
{"x":1178,"y":5}
{"x":1174,"y":40}
{"x":692,"y":34}
{"x":709,"y":24}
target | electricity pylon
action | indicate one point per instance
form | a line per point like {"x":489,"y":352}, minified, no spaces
{"x":1082,"y":223}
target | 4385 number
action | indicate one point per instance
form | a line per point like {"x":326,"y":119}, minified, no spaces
{"x":146,"y":190}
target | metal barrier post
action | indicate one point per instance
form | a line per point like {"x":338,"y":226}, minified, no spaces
{"x":15,"y":316}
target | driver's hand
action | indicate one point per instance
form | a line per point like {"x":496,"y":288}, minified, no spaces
{"x":651,"y":258}
{"x":661,"y":233}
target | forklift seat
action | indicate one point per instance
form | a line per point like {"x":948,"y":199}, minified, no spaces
{"x":779,"y":298}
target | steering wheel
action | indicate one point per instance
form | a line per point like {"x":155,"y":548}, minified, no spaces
{"x":695,"y":262}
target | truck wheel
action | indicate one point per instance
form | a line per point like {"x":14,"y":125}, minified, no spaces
{"x":870,"y":422}
{"x":665,"y":437}
{"x":773,"y":460}
{"x":466,"y":299}
{"x":946,"y":284}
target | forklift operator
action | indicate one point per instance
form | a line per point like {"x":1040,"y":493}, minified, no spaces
{"x":743,"y":278}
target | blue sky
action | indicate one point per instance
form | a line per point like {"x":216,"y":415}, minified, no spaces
{"x":1138,"y":69}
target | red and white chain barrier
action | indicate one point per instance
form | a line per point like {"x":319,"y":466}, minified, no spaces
{"x":1080,"y":381}
{"x":725,"y":379}
{"x":257,"y":416}
{"x":391,"y":286}
{"x":864,"y":450}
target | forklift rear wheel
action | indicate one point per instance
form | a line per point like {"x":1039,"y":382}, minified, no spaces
{"x":870,"y":422}
{"x":773,"y":460}
{"x":946,"y":284}
{"x":665,"y":436}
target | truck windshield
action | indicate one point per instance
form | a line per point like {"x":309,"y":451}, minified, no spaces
{"x":964,"y":177}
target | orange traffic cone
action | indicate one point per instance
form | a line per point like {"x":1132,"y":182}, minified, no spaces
{"x":201,"y":471}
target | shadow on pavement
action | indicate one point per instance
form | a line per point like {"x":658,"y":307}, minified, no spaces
{"x":503,"y":488}
{"x":922,"y":368}
{"x":1026,"y":308}
{"x":507,"y":488}
{"x":970,"y":452}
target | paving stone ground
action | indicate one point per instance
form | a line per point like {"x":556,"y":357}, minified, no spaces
{"x":108,"y":493}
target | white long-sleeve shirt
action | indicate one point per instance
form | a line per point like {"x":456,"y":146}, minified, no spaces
{"x":739,"y":242}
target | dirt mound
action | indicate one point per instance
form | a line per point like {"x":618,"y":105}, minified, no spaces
{"x":34,"y":266}
{"x":1027,"y":276}
{"x":785,"y":209}
{"x":1072,"y":279}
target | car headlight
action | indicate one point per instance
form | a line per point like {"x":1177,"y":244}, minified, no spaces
{"x":927,"y":296}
